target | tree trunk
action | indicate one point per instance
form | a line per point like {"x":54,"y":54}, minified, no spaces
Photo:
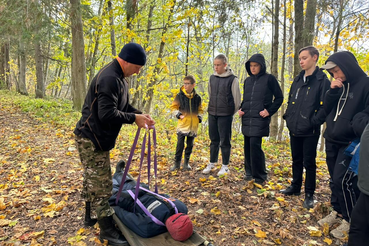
{"x":78,"y":56}
{"x":22,"y":89}
{"x":151,"y":84}
{"x":280,"y":132}
{"x":112,"y":31}
{"x":309,"y":22}
{"x":274,"y":69}
{"x":2,"y":67}
{"x":299,"y":42}
{"x":40,"y":86}
{"x":131,"y":6}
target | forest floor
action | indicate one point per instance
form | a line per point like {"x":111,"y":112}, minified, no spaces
{"x":41,"y":180}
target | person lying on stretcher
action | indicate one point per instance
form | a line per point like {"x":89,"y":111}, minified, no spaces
{"x":160,"y":213}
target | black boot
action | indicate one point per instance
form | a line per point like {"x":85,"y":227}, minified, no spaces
{"x":309,"y":201}
{"x":290,"y":190}
{"x":88,"y":220}
{"x":110,"y":233}
{"x":177,"y":165}
{"x":185,"y":166}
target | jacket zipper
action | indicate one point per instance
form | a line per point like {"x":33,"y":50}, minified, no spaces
{"x":252,"y":94}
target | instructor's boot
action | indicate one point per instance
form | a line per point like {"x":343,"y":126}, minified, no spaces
{"x":185,"y":166}
{"x":177,"y":165}
{"x":110,"y":233}
{"x":88,"y":220}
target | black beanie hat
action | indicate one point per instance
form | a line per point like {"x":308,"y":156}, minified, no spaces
{"x":133,"y":53}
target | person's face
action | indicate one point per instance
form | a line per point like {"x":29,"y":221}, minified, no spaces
{"x":219,"y":66}
{"x":255,"y":68}
{"x":337,"y":73}
{"x":306,"y":60}
{"x":131,"y":68}
{"x":188,"y":86}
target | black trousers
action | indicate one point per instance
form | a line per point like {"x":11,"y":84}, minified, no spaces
{"x":220,"y":133}
{"x":359,"y":228}
{"x":180,"y":147}
{"x":254,"y":159}
{"x":343,"y":182}
{"x":303,"y":151}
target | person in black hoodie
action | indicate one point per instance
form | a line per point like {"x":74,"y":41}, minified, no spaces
{"x":262,"y":97}
{"x":304,"y":116}
{"x":347,"y":97}
{"x":105,"y":109}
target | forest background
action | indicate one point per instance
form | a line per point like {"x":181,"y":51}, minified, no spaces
{"x":50,"y":50}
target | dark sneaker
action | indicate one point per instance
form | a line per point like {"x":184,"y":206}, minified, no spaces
{"x":290,"y":190}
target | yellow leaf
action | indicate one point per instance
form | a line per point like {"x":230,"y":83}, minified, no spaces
{"x":328,"y":241}
{"x":277,"y":241}
{"x":37,"y":178}
{"x":37,"y":217}
{"x":202,"y":179}
{"x":37,"y":234}
{"x":314,"y":232}
{"x":215,"y":211}
{"x":326,"y":229}
{"x":217,"y":194}
{"x":281,"y":199}
{"x":193,"y":200}
{"x":258,"y":185}
{"x":2,"y":204}
{"x":256,"y":222}
{"x":80,"y":231}
{"x":260,"y":234}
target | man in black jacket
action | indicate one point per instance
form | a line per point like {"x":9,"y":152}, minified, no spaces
{"x":262,"y":97}
{"x":105,"y":109}
{"x":304,"y":116}
{"x":348,"y":96}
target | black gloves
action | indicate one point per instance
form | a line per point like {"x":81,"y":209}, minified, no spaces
{"x":178,"y":115}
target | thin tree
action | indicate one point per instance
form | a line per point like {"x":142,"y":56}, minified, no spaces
{"x":78,"y":55}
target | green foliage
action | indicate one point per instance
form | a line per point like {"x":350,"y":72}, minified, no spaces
{"x":56,"y":111}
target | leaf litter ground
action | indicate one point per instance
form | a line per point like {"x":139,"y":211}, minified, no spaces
{"x":41,"y":180}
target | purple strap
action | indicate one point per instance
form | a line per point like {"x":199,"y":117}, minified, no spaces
{"x":148,"y":159}
{"x":141,"y":161}
{"x":128,"y":164}
{"x":162,"y":197}
{"x":158,"y":222}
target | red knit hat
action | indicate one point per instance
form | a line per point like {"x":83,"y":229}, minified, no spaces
{"x":179,"y":226}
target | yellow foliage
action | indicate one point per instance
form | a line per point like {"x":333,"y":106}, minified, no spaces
{"x":215,"y":211}
{"x":328,"y":241}
{"x":260,"y":234}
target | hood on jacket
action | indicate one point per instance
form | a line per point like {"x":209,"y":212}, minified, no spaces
{"x":183,"y":91}
{"x":347,"y":62}
{"x":259,"y":58}
{"x":228,"y":72}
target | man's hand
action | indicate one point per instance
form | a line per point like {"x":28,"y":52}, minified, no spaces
{"x":240,"y":113}
{"x":144,"y":120}
{"x":181,"y":116}
{"x":264,"y":113}
{"x":337,"y":83}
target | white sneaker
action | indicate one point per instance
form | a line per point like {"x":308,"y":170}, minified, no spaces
{"x":223,"y":170}
{"x":208,"y":168}
{"x":342,"y":230}
{"x":330,"y":219}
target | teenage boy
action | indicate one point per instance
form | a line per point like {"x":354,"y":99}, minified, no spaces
{"x":304,"y":116}
{"x":262,"y":97}
{"x":347,"y":96}
{"x":187,"y":104}
{"x":224,"y":101}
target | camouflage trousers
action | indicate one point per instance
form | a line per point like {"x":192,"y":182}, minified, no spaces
{"x":97,"y":178}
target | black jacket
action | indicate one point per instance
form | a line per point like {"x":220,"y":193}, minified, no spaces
{"x":258,"y":93}
{"x":342,"y":104}
{"x":133,"y":216}
{"x":106,"y":108}
{"x":363,"y":174}
{"x":305,"y":112}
